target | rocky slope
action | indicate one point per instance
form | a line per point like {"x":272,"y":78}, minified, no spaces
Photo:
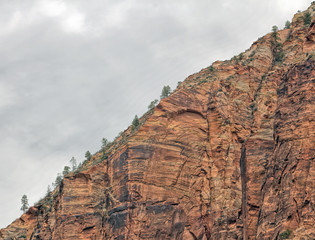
{"x":229,"y":155}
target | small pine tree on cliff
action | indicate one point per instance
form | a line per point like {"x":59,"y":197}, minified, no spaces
{"x":307,"y":19}
{"x":105,"y":142}
{"x":287,"y":25}
{"x":153,"y":104}
{"x":24,"y":202}
{"x":276,"y":45}
{"x":58,"y":180}
{"x":88,"y":155}
{"x":166,"y":91}
{"x":66,"y":170}
{"x":135,"y":123}
{"x":73,"y":162}
{"x":274,"y":33}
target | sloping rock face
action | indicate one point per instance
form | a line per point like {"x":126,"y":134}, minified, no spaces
{"x":229,"y":155}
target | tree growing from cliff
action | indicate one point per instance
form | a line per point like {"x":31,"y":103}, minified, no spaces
{"x":105,"y":142}
{"x":48,"y":190}
{"x":58,"y":180}
{"x":24,"y":202}
{"x":277,"y":50}
{"x":287,"y":25}
{"x":66,"y":170}
{"x":49,"y":197}
{"x":105,"y":146}
{"x":73,"y":162}
{"x":307,"y":18}
{"x":135,"y":123}
{"x":153,"y":104}
{"x":274,"y":33}
{"x":211,"y":68}
{"x":79,"y":168}
{"x":88,"y":155}
{"x":166,"y":91}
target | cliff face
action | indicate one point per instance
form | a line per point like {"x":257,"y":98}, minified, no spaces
{"x":229,"y":155}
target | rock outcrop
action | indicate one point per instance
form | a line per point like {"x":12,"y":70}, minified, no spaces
{"x":229,"y":155}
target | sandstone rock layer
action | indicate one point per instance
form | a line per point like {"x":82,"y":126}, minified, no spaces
{"x":229,"y":155}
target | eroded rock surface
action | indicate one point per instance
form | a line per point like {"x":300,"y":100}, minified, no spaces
{"x":229,"y":155}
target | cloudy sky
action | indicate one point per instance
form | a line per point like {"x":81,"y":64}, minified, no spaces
{"x":75,"y":71}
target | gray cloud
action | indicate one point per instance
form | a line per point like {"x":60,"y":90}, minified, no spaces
{"x":73,"y":72}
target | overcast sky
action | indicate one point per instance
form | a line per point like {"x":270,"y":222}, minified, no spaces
{"x":75,"y":71}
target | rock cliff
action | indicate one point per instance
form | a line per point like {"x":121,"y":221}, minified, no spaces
{"x":229,"y":155}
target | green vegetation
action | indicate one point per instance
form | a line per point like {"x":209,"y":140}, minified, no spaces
{"x":48,"y":190}
{"x":253,"y":107}
{"x":274,"y":33}
{"x":277,"y":49}
{"x":66,"y":170}
{"x":73,"y":162}
{"x":58,"y":180}
{"x":24,"y":202}
{"x":135,"y":124}
{"x":279,"y":54}
{"x":238,"y":58}
{"x":79,"y":168}
{"x":105,"y":146}
{"x":287,"y":25}
{"x":307,"y":19}
{"x":166,"y":91}
{"x":241,"y":56}
{"x":88,"y":155}
{"x":211,"y":68}
{"x":285,"y":234}
{"x":48,"y":197}
{"x":47,"y":202}
{"x":230,"y":77}
{"x":252,"y":54}
{"x":153,"y":104}
{"x":105,"y":142}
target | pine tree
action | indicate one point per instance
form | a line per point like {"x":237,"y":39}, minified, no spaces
{"x":104,"y":143}
{"x":135,"y":123}
{"x":88,"y":155}
{"x":274,"y":33}
{"x":287,"y":25}
{"x":73,"y":162}
{"x":66,"y":170}
{"x":24,"y":202}
{"x":58,"y":180}
{"x":49,"y":198}
{"x":153,"y":104}
{"x":278,"y":53}
{"x":79,"y":168}
{"x":48,"y":190}
{"x":166,"y":91}
{"x":307,"y":18}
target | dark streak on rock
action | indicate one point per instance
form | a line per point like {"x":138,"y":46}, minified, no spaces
{"x":243,"y":182}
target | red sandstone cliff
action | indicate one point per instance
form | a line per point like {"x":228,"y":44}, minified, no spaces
{"x":229,"y":155}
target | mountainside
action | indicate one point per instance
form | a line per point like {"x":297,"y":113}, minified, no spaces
{"x":229,"y":155}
